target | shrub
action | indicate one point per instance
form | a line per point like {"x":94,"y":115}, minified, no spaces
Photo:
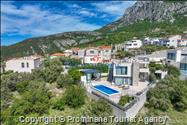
{"x":74,"y":96}
{"x":58,"y":104}
{"x":98,"y":108}
{"x":124,"y":100}
{"x":63,"y":80}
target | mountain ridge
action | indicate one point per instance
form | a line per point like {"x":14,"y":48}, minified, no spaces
{"x":112,"y":33}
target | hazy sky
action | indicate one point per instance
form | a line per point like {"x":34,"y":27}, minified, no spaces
{"x":21,"y":20}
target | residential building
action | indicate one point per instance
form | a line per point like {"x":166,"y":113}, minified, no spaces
{"x":133,"y":44}
{"x":173,"y":40}
{"x":92,"y":56}
{"x":24,"y":64}
{"x":155,"y":41}
{"x":105,"y":53}
{"x":128,"y":72}
{"x":57,"y":55}
{"x":183,"y":41}
{"x":177,"y":58}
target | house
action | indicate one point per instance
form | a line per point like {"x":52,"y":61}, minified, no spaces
{"x":57,"y":55}
{"x":24,"y":64}
{"x":133,"y":44}
{"x":183,"y":41}
{"x":173,"y":40}
{"x":105,"y":53}
{"x":92,"y":56}
{"x":128,"y":72}
{"x":177,"y":58}
{"x":155,"y":41}
{"x":68,"y":52}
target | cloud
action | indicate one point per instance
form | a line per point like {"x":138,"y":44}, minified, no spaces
{"x":35,"y":21}
{"x":116,"y":8}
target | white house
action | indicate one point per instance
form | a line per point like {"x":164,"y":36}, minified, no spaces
{"x":173,"y":40}
{"x":133,"y":44}
{"x":92,"y":56}
{"x":105,"y":53}
{"x":23,"y":64}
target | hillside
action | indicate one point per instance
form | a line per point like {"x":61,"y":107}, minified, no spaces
{"x":146,"y":18}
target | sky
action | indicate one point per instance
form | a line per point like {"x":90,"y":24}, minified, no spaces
{"x":25,"y":19}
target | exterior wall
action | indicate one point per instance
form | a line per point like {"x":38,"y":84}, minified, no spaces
{"x":135,"y":73}
{"x":133,"y":44}
{"x":95,"y":52}
{"x":106,"y":54}
{"x":81,"y":53}
{"x":91,"y":60}
{"x":16,"y":65}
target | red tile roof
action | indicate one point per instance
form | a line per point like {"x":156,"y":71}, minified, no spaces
{"x":57,"y":54}
{"x":105,"y":47}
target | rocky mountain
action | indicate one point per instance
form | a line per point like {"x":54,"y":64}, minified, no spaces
{"x":152,"y":11}
{"x":144,"y":18}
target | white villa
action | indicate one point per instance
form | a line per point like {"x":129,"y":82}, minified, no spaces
{"x":133,"y":44}
{"x":23,"y":64}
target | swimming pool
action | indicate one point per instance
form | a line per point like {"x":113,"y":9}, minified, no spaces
{"x":105,"y":90}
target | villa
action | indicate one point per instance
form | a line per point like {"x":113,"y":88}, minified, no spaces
{"x":177,"y":58}
{"x":128,"y":72}
{"x":133,"y":44}
{"x":24,"y":64}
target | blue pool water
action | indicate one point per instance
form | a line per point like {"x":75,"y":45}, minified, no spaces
{"x":105,"y":90}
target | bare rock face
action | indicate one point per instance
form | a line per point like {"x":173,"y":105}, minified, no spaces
{"x":152,"y":11}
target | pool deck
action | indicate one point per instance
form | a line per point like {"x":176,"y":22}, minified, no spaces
{"x":132,"y":90}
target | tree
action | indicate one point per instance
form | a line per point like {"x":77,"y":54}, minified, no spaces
{"x":75,"y":74}
{"x":52,"y":69}
{"x":74,"y":96}
{"x":63,"y":80}
{"x":173,"y":71}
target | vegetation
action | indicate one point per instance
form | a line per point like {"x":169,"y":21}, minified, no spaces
{"x":98,"y":108}
{"x":124,"y":100}
{"x":100,"y":67}
{"x":74,"y":96}
{"x":123,"y":54}
{"x":169,"y":93}
{"x":152,"y":48}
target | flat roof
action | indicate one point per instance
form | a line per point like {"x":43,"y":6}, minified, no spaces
{"x":89,"y":70}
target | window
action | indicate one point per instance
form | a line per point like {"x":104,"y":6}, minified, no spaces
{"x":22,"y":65}
{"x":91,"y":52}
{"x":106,"y":50}
{"x":121,"y":70}
{"x":135,"y":44}
{"x":183,"y":66}
{"x":171,"y":56}
{"x":118,"y":81}
{"x":27,"y":65}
